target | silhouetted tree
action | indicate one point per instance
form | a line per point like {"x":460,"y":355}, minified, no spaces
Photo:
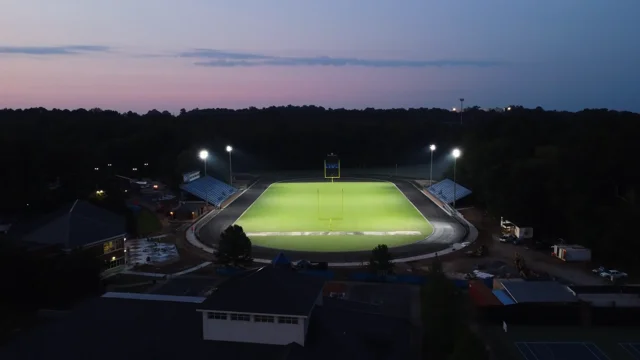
{"x":234,"y":247}
{"x":380,"y":260}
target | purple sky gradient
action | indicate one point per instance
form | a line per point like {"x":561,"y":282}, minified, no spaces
{"x":144,"y":54}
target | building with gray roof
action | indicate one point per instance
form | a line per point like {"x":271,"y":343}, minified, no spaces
{"x":79,"y":225}
{"x":146,"y":326}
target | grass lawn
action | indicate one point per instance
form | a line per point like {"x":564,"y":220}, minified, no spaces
{"x":147,"y":223}
{"x":341,"y":216}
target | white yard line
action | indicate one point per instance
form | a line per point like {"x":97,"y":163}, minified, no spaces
{"x":333,"y":233}
{"x":415,"y":207}
{"x":254,"y":201}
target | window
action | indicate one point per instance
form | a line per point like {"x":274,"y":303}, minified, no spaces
{"x":116,"y":263}
{"x":287,"y":320}
{"x":240,"y":317}
{"x":263,"y":318}
{"x":217,"y":316}
{"x":110,"y":246}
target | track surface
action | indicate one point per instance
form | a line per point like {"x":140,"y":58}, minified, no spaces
{"x":446,"y":230}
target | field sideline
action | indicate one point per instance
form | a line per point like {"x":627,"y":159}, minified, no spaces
{"x":341,"y":216}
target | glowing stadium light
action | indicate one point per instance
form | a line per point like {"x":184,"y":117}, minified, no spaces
{"x":509,"y":108}
{"x":432,"y":147}
{"x":204,"y":154}
{"x":456,"y":154}
{"x":229,"y":149}
{"x":454,"y":109}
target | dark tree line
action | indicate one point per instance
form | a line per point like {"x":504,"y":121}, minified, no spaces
{"x":569,"y":175}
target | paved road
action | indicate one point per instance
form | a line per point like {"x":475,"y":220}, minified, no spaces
{"x":446,"y":230}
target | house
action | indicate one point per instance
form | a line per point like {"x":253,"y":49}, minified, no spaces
{"x":79,"y":225}
{"x":273,"y":312}
{"x":281,"y":316}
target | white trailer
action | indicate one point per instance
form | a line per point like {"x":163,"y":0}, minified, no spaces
{"x":511,"y":229}
{"x":572,"y":253}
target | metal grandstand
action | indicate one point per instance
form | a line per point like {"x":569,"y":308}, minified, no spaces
{"x":209,"y":189}
{"x":443,"y":190}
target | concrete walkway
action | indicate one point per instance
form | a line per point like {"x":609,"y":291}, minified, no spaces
{"x":168,"y":276}
{"x":191,"y":237}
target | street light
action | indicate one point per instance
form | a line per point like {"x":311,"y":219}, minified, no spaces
{"x":456,"y":154}
{"x":432,"y":147}
{"x":204,"y":154}
{"x":229,"y":149}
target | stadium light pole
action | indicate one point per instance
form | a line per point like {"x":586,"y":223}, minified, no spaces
{"x":204,"y":154}
{"x":461,"y":109}
{"x":432,"y":147}
{"x":456,"y":154}
{"x":229,"y":149}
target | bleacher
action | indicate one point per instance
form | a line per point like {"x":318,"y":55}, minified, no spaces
{"x":443,"y":190}
{"x":209,"y":189}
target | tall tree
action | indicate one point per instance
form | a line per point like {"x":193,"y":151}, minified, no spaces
{"x":380,"y":261}
{"x":441,"y":318}
{"x":234,"y":247}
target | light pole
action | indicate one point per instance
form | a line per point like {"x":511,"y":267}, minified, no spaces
{"x":456,"y":154}
{"x":461,"y":109}
{"x":204,"y":154}
{"x":229,"y":149}
{"x":432,"y":147}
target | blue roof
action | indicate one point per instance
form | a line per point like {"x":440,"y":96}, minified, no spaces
{"x":539,"y":291}
{"x":444,"y":190}
{"x":503,"y":297}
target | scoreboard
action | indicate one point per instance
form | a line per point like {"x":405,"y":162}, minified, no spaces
{"x":332,"y":167}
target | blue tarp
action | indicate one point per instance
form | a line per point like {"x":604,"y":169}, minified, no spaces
{"x":503,"y":297}
{"x":281,"y":260}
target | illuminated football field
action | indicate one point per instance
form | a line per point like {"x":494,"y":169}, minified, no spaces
{"x":326,"y":217}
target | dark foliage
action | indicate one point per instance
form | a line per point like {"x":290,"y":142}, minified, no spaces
{"x":569,"y":175}
{"x":380,"y":261}
{"x":234,"y":247}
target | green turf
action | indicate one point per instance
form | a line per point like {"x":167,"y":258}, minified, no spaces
{"x":336,"y":207}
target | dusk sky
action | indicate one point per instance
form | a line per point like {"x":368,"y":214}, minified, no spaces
{"x":166,"y":54}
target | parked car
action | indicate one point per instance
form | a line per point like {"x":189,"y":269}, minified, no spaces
{"x":613,"y":275}
{"x":599,"y":270}
{"x":507,"y":239}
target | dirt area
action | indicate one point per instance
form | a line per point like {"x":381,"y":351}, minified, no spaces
{"x":501,"y":254}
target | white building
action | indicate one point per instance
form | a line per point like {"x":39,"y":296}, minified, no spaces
{"x":571,"y":253}
{"x":270,"y":305}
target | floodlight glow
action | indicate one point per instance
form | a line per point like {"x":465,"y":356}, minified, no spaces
{"x":509,"y":108}
{"x":229,"y":148}
{"x":432,"y":147}
{"x":454,"y":109}
{"x":456,"y":153}
{"x":204,"y":154}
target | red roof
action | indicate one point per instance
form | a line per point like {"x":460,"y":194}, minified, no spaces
{"x":481,"y":295}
